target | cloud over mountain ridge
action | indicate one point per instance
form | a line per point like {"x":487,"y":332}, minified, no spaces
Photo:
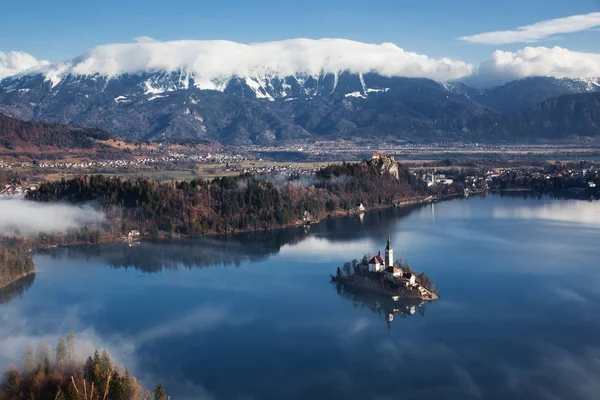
{"x":213,"y":60}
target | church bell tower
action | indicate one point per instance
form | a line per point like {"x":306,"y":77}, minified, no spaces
{"x":389,"y":254}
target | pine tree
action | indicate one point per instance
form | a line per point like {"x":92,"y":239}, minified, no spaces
{"x":160,"y":394}
{"x":105,"y":363}
{"x":43,"y":352}
{"x":29,"y":363}
{"x":96,"y":372}
{"x":12,"y":383}
{"x":70,"y":347}
{"x":128,"y":386}
{"x":61,"y":352}
{"x":47,"y":368}
{"x":115,"y":391}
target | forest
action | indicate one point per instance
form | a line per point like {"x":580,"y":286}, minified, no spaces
{"x":14,"y":132}
{"x":62,"y":374}
{"x":15,"y":263}
{"x":231,"y":204}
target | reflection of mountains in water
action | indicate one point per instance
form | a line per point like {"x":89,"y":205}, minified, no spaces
{"x":381,"y":305}
{"x":376,"y":224}
{"x":16,"y":289}
{"x":154,"y":256}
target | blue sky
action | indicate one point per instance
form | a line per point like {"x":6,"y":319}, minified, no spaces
{"x":57,"y":30}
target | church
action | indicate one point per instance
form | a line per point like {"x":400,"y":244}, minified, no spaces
{"x":380,"y":264}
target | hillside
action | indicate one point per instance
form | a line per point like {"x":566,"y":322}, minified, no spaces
{"x":17,"y":135}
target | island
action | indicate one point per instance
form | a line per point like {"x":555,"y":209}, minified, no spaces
{"x":381,"y":276}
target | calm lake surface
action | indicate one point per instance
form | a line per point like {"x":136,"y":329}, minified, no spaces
{"x":256,"y":317}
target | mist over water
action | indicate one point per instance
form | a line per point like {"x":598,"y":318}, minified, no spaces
{"x":255,"y":316}
{"x":21,"y":217}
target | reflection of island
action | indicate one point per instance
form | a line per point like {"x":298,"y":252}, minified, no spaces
{"x":16,"y":288}
{"x":381,"y":305}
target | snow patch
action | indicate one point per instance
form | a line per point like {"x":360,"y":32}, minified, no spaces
{"x":121,"y":99}
{"x":362,"y":83}
{"x":383,"y":90}
{"x":335,"y":82}
{"x":258,"y":89}
{"x":156,"y":96}
{"x":356,"y":94}
{"x":151,"y":89}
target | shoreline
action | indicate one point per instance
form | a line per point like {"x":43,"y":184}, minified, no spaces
{"x":297,"y":224}
{"x":367,"y":286}
{"x":14,"y":280}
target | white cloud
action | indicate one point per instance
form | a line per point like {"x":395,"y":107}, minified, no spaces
{"x":538,"y":31}
{"x":219,"y":59}
{"x":144,"y":39}
{"x":15,"y":62}
{"x":28,"y":217}
{"x":212,"y":63}
{"x":558,"y":62}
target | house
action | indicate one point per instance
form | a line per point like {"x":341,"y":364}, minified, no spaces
{"x":306,"y":216}
{"x":409,"y":279}
{"x":132,"y":235}
{"x":591,"y":184}
{"x":360,"y":207}
{"x":377,"y":263}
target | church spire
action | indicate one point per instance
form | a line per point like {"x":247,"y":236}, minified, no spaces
{"x":389,"y":254}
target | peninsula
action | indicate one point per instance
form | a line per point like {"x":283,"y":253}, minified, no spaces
{"x":381,"y":276}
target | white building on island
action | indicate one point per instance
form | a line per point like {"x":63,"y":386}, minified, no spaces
{"x":381,"y":264}
{"x":377,"y":263}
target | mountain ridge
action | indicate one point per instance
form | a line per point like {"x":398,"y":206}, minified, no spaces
{"x":246,"y":110}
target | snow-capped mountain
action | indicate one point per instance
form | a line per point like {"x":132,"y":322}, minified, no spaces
{"x":270,"y":92}
{"x":523,"y":94}
{"x":236,"y":109}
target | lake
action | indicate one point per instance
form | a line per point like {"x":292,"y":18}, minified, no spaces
{"x":255,"y":316}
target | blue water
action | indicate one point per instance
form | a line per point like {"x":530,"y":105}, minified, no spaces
{"x":256,"y":317}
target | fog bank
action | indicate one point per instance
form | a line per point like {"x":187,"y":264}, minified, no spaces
{"x":19,"y":216}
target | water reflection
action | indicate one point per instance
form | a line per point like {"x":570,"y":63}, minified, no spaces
{"x":154,"y":256}
{"x":16,"y":289}
{"x":585,"y":213}
{"x":519,"y":309}
{"x":381,"y":305}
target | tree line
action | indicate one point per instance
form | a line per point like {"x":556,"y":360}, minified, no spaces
{"x":230,"y":204}
{"x":61,"y":374}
